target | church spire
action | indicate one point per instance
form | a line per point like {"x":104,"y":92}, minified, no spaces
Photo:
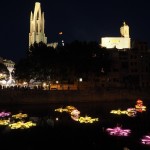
{"x":37,"y":24}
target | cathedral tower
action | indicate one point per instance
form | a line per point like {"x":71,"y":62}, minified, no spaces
{"x":122,"y":42}
{"x":37,"y":24}
{"x":124,"y":30}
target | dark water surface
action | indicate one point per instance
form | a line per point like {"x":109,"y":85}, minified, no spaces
{"x":68,"y":134}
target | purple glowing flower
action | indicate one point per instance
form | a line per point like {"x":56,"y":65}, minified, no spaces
{"x":146,"y":140}
{"x":118,"y":131}
{"x":4,"y":114}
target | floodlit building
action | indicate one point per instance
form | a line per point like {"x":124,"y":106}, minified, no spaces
{"x":122,"y":42}
{"x":37,"y":26}
{"x":37,"y":23}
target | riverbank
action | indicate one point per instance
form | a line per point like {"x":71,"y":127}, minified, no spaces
{"x":11,"y":96}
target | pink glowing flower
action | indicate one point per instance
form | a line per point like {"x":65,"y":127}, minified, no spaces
{"x":118,"y":131}
{"x":146,"y":140}
{"x":4,"y":114}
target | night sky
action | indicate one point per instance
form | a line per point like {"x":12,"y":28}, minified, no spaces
{"x":78,"y":19}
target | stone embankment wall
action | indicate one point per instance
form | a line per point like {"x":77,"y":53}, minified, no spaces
{"x":10,"y":96}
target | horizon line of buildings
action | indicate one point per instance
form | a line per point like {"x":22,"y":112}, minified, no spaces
{"x":37,"y":33}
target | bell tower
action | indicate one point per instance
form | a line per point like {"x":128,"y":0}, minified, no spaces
{"x":124,"y":30}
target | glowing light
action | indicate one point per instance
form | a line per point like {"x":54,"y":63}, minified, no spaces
{"x":44,"y":84}
{"x":4,"y":122}
{"x":68,"y":109}
{"x":61,"y":109}
{"x":146,"y":140}
{"x":131,"y":112}
{"x":22,"y":125}
{"x":87,"y":119}
{"x":60,"y":33}
{"x":4,"y":114}
{"x":75,"y":114}
{"x":118,"y":131}
{"x":80,"y":79}
{"x":139,"y":106}
{"x":25,"y":83}
{"x":118,"y":112}
{"x":19,"y":116}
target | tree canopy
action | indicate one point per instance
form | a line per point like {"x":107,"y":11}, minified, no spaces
{"x":64,"y":63}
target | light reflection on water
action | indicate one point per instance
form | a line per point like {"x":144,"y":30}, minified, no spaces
{"x":64,"y":132}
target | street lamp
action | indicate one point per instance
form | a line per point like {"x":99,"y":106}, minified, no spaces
{"x":57,"y":84}
{"x":80,"y":80}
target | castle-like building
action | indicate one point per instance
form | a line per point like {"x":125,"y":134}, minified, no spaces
{"x":122,"y":42}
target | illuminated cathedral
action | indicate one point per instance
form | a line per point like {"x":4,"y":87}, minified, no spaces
{"x":122,"y":42}
{"x":37,"y":23}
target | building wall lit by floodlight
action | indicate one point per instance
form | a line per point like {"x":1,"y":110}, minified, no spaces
{"x":37,"y":23}
{"x":122,"y":42}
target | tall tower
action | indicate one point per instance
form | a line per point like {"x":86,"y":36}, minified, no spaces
{"x":37,"y":24}
{"x":124,"y":30}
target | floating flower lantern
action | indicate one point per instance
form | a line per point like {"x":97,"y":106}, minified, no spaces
{"x":4,"y":122}
{"x":4,"y":114}
{"x":87,"y":119}
{"x":19,"y":116}
{"x":146,"y":140}
{"x":75,"y":114}
{"x":139,"y":106}
{"x":118,"y":112}
{"x":131,"y":112}
{"x":68,"y":109}
{"x":118,"y":131}
{"x":61,"y":110}
{"x":22,"y":125}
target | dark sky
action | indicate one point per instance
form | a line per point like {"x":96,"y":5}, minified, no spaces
{"x":78,"y":19}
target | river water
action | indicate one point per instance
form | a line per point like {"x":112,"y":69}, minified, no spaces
{"x":57,"y":130}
